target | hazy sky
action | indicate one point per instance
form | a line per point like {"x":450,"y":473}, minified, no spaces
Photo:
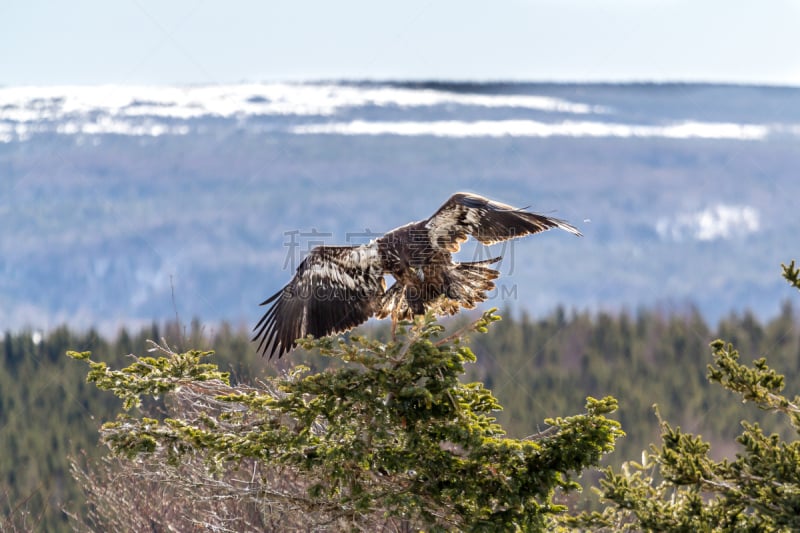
{"x":182,"y":41}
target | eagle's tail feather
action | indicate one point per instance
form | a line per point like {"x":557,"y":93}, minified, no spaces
{"x":468,"y":286}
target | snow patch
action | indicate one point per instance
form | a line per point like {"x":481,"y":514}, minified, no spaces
{"x":716,"y":222}
{"x":532,"y":128}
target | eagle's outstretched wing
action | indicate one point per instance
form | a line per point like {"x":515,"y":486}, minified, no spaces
{"x":489,"y":222}
{"x":334,"y":289}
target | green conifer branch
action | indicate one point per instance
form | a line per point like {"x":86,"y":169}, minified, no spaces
{"x":392,"y":432}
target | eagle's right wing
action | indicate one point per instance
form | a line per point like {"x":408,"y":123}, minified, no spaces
{"x":335,"y":289}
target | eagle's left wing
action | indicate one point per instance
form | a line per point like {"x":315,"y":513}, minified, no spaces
{"x":488,"y":221}
{"x":335,"y":289}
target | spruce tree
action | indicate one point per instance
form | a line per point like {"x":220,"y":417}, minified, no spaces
{"x":387,"y":438}
{"x":678,"y":486}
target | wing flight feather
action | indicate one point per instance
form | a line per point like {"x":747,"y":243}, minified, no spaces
{"x":488,"y":221}
{"x":334,"y":289}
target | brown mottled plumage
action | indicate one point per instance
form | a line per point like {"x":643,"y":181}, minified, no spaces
{"x":337,"y":288}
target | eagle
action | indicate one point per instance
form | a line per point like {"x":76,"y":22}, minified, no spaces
{"x":336,"y":288}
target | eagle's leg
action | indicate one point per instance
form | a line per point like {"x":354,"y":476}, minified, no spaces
{"x":394,"y":327}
